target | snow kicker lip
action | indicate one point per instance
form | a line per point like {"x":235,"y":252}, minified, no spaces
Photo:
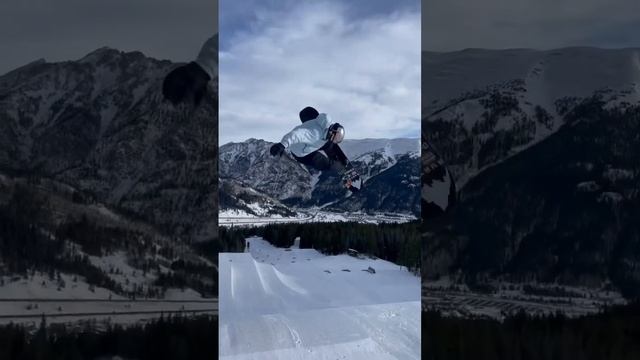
{"x":282,"y":280}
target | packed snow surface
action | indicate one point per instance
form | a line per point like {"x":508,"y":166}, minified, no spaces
{"x":299,"y":304}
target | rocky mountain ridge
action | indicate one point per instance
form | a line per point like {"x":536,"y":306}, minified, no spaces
{"x":544,"y":148}
{"x":390,"y":169}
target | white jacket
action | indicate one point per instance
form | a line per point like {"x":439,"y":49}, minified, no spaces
{"x":208,"y":56}
{"x":308,"y":136}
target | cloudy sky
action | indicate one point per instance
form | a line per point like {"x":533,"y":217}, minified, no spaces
{"x":358,"y":61}
{"x":69,"y":29}
{"x":450,"y":25}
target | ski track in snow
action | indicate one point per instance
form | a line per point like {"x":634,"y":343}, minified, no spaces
{"x":299,"y":304}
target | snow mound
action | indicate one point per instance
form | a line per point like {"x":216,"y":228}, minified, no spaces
{"x":300,"y":304}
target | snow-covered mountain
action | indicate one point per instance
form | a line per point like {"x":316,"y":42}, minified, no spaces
{"x":355,"y":148}
{"x":115,"y":179}
{"x":483,"y":106}
{"x":100,"y":125}
{"x":390,"y":168}
{"x":234,"y":195}
{"x":543,"y":145}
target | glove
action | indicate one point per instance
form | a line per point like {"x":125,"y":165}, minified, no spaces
{"x":277,"y":149}
{"x":187,"y":83}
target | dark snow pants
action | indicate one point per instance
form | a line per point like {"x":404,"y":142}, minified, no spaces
{"x":328,"y":157}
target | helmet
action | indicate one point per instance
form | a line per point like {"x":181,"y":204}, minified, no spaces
{"x":338,"y":135}
{"x":308,"y":113}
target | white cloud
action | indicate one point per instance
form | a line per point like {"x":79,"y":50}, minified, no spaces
{"x":365,"y":73}
{"x":544,"y":24}
{"x":69,"y":29}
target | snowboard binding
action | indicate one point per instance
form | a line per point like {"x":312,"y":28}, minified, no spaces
{"x":352,"y":180}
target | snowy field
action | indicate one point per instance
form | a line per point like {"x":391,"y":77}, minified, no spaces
{"x":25,"y":300}
{"x":299,"y":304}
{"x":29,"y":312}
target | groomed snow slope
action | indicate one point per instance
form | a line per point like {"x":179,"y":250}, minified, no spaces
{"x":300,"y":304}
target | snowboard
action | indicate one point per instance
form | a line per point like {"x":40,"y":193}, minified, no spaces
{"x":351,"y":179}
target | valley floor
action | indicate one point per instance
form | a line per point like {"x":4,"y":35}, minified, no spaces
{"x":26,"y":300}
{"x":570,"y":301}
{"x":239,"y":217}
{"x":299,"y":304}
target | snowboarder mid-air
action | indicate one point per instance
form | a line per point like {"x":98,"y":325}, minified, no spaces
{"x":314,"y":143}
